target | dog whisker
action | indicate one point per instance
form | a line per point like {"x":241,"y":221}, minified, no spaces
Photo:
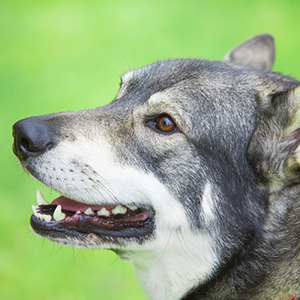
{"x":192,"y":172}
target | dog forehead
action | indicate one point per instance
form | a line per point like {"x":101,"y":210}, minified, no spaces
{"x":162,"y":75}
{"x":216,"y":88}
{"x":175,"y":70}
{"x":206,"y":88}
{"x":138,"y":85}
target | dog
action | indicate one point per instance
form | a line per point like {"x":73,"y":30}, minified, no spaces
{"x":192,"y":173}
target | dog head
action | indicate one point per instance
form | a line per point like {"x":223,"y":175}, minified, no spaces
{"x":178,"y":169}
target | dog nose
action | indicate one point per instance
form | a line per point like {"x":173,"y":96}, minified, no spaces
{"x":31,"y":137}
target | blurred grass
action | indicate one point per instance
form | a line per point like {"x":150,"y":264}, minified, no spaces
{"x":68,"y":55}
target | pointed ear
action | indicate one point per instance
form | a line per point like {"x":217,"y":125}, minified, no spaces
{"x":258,"y":52}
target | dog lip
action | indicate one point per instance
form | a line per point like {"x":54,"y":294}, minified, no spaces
{"x":136,"y":226}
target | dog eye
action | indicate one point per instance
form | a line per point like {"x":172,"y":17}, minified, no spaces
{"x":162,"y":123}
{"x":165,"y":123}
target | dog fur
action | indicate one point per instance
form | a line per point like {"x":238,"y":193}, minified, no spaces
{"x":219,"y":180}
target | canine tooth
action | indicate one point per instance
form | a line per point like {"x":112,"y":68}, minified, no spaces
{"x":89,"y":211}
{"x":103,"y":212}
{"x":78,"y":212}
{"x":58,"y":215}
{"x":119,"y":209}
{"x":40,"y":198}
{"x":132,"y":207}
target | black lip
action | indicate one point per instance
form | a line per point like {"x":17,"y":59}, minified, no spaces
{"x":84,"y":226}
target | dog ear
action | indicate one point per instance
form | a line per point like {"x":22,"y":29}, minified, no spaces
{"x":274,"y":149}
{"x":258,"y":52}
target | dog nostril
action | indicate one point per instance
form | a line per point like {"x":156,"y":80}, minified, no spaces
{"x":31,"y":137}
{"x":25,"y":145}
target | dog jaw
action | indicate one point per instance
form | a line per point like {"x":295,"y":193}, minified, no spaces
{"x":162,"y":255}
{"x":223,"y":189}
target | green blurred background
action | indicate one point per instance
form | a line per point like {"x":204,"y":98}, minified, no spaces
{"x":68,"y":55}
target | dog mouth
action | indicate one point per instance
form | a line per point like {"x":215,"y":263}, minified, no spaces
{"x":65,"y":217}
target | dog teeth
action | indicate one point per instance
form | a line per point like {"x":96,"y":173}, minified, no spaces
{"x":58,"y":215}
{"x":40,"y":216}
{"x":103,"y":212}
{"x":47,"y":218}
{"x":36,"y":212}
{"x":40,"y":198}
{"x":35,"y":209}
{"x":119,"y":209}
{"x":132,"y":207}
{"x":89,"y":211}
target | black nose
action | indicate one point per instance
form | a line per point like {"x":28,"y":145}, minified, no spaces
{"x":32,"y":137}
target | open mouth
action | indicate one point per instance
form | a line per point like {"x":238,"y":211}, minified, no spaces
{"x":64,"y":216}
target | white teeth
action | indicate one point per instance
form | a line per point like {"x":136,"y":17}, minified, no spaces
{"x":119,"y":209}
{"x":40,"y":216}
{"x":103,"y":212}
{"x":47,"y":218}
{"x":131,"y":207}
{"x":89,"y":211}
{"x":78,"y":212}
{"x":35,"y":209}
{"x":40,"y":198}
{"x":58,"y":214}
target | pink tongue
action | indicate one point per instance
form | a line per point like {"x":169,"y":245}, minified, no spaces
{"x":72,"y":205}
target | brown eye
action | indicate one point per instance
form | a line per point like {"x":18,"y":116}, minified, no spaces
{"x":165,"y":123}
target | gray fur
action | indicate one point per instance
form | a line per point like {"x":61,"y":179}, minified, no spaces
{"x":237,"y":139}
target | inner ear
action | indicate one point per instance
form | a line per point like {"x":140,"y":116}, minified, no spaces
{"x":258,"y":52}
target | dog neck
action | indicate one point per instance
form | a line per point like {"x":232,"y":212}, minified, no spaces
{"x":173,"y":268}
